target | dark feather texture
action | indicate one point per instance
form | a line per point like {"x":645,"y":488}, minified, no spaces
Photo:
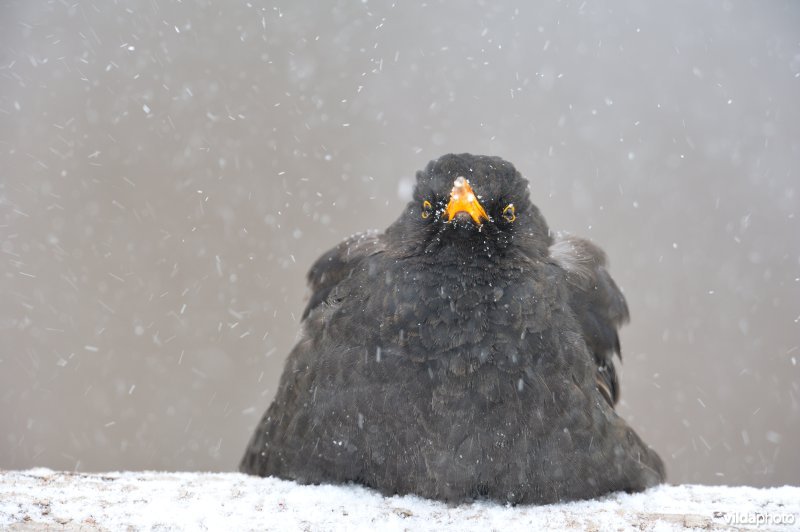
{"x":458,"y":361}
{"x":597,"y":303}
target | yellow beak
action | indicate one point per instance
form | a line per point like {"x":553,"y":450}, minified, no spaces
{"x":463,"y":199}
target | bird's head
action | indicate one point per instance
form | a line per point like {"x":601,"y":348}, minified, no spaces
{"x":473,"y":203}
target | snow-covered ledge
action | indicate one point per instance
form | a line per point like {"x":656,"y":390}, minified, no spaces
{"x":42,"y":499}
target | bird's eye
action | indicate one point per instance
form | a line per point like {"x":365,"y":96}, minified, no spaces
{"x":427,"y":208}
{"x":508,"y":213}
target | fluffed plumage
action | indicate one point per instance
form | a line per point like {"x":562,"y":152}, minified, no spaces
{"x":465,"y":352}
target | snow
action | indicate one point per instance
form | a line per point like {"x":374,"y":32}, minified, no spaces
{"x":44,"y":499}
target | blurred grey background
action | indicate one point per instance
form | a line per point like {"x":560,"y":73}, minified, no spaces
{"x":169,"y":171}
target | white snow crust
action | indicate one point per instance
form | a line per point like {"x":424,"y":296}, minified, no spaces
{"x":41,"y":499}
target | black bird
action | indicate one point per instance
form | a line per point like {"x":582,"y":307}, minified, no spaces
{"x":466,"y":352}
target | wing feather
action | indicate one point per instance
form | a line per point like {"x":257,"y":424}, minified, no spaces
{"x":338,"y":263}
{"x":598,"y":304}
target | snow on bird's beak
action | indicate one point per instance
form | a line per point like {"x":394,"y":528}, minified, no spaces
{"x":463,"y":199}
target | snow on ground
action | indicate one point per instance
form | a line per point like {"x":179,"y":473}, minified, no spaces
{"x":41,"y":499}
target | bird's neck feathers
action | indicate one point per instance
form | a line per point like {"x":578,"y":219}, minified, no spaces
{"x":473,"y":266}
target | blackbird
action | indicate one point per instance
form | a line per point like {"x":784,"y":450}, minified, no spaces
{"x":466,"y":352}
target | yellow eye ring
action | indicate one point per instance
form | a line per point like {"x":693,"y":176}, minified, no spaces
{"x":509,"y":213}
{"x":426,"y":208}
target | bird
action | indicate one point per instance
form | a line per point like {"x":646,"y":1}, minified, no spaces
{"x":465,"y":353}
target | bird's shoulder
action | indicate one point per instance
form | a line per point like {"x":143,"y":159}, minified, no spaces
{"x":338,"y":263}
{"x":597,"y":303}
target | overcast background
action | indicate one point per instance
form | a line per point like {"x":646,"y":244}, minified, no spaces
{"x":169,"y":171}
